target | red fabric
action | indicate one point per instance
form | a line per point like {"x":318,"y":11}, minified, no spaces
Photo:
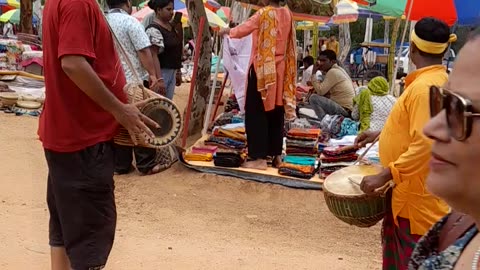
{"x":70,"y":120}
{"x":444,"y":10}
{"x":397,"y":242}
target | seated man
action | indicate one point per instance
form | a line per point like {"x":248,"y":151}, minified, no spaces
{"x":335,"y":94}
{"x":307,"y":70}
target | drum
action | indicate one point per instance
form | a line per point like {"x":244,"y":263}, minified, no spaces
{"x":161,"y":110}
{"x":347,"y":201}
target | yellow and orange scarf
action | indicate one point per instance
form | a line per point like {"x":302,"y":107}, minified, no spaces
{"x":265,"y":61}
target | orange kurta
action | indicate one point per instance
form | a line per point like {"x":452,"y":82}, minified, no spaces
{"x":406,"y":151}
{"x":283,"y":17}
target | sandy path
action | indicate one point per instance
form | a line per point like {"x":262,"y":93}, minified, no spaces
{"x":180,"y":219}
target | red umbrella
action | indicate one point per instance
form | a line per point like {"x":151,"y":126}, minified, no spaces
{"x":440,"y":9}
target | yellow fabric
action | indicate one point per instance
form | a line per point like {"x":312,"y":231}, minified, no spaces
{"x":198,"y":157}
{"x":406,"y":151}
{"x":265,"y":61}
{"x":289,"y":87}
{"x":334,"y":46}
{"x":431,"y":47}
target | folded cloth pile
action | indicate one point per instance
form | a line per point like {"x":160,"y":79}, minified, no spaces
{"x":298,"y":166}
{"x":198,"y":157}
{"x":229,"y":136}
{"x":229,"y":159}
{"x":204,"y":149}
{"x":225,"y":143}
{"x":334,"y":158}
{"x":303,"y":142}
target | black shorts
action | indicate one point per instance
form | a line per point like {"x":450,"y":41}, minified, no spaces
{"x":80,"y":197}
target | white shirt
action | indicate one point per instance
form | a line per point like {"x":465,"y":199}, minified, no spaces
{"x":307,"y":75}
{"x":382,"y":105}
{"x":132,"y":36}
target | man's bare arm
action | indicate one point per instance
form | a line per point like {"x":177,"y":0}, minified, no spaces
{"x":82,"y":74}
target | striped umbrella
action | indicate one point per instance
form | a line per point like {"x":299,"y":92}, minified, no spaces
{"x":13,"y":16}
{"x":10,"y":3}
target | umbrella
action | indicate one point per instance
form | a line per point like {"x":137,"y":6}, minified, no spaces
{"x":177,"y":4}
{"x":463,"y":12}
{"x":10,"y":3}
{"x":213,"y":19}
{"x":224,"y":13}
{"x":13,"y":16}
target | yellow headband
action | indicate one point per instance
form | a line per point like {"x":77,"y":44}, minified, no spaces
{"x":431,"y":47}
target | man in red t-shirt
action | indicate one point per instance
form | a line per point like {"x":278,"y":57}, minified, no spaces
{"x":83,"y":109}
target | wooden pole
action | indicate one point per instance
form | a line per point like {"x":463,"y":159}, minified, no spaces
{"x":188,"y":112}
{"x":26,"y":13}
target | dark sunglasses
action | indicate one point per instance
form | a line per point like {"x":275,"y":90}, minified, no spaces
{"x":459,"y":111}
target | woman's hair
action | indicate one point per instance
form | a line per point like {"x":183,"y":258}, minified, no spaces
{"x":156,"y":4}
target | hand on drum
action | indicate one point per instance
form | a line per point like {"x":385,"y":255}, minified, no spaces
{"x":130,"y":117}
{"x":366,"y":137}
{"x":371,"y":183}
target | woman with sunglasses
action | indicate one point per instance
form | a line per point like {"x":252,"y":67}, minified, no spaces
{"x":405,"y":151}
{"x":454,"y":242}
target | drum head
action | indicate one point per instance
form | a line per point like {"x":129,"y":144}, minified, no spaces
{"x":166,"y":114}
{"x":339,"y":183}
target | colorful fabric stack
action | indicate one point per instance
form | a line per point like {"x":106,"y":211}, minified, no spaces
{"x":302,"y":153}
{"x":298,"y":166}
{"x":336,"y":158}
{"x":229,"y":159}
{"x":200,"y":153}
{"x":303,"y":142}
{"x":230,"y":136}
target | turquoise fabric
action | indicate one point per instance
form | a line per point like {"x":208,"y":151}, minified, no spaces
{"x":349,"y":127}
{"x":299,"y":160}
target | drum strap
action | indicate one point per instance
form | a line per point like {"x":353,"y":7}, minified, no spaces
{"x":121,"y":50}
{"x":455,"y":227}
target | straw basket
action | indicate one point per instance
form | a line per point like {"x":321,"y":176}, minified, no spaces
{"x":8,"y":99}
{"x":354,"y":208}
{"x":161,"y":110}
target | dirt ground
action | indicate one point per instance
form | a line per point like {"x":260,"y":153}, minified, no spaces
{"x":180,"y":219}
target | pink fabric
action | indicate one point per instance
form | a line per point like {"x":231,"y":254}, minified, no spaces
{"x":284,"y":27}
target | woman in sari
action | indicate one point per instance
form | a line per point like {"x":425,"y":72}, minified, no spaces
{"x":270,"y":97}
{"x":454,"y":242}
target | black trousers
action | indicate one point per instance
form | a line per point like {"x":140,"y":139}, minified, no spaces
{"x":81,"y":202}
{"x":264,"y":128}
{"x":145,"y":159}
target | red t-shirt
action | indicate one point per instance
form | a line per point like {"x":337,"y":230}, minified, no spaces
{"x":70,"y":120}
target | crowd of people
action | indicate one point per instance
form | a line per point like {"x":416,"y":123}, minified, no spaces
{"x":428,"y":138}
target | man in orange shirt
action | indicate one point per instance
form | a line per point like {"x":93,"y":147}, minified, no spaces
{"x":405,"y":151}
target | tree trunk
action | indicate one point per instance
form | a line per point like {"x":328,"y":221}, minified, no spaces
{"x":26,"y":11}
{"x":345,"y":42}
{"x":196,"y":10}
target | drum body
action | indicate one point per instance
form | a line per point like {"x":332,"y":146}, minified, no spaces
{"x":348,"y":203}
{"x":161,"y":110}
